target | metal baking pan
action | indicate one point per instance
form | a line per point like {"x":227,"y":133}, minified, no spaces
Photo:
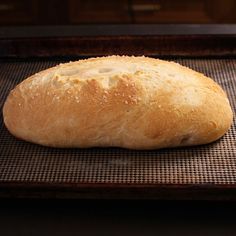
{"x":206,"y":172}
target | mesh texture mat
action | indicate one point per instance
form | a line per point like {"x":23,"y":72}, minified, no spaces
{"x":207,"y":164}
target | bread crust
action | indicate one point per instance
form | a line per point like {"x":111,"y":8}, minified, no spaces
{"x":129,"y":102}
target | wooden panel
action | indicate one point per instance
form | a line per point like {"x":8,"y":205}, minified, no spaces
{"x":99,"y":11}
{"x":169,"y":11}
{"x":17,"y":12}
{"x":63,"y":12}
{"x":222,"y":11}
{"x":52,"y":12}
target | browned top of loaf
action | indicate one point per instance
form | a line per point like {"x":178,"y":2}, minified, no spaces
{"x":134,"y":102}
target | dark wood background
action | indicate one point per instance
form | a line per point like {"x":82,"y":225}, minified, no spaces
{"x":70,"y":12}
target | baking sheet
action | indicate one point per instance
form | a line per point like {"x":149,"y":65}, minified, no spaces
{"x":26,"y":163}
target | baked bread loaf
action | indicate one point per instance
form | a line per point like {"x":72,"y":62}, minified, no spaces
{"x":129,"y":102}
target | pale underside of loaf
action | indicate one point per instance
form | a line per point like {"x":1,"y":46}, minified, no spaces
{"x":130,"y":102}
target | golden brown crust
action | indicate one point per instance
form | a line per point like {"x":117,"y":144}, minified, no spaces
{"x":130,"y":102}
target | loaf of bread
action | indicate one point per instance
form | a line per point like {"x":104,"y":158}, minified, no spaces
{"x":121,"y":101}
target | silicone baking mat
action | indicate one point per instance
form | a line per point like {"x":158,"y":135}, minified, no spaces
{"x":29,"y":163}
